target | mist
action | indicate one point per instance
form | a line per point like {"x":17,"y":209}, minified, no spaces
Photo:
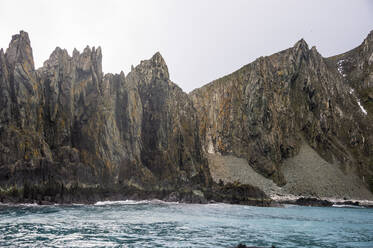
{"x":199,"y":40}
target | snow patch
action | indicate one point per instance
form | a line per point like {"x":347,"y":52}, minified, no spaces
{"x":370,"y":61}
{"x":358,"y":102}
{"x":340,"y":67}
{"x":210,"y":148}
{"x":361,"y":107}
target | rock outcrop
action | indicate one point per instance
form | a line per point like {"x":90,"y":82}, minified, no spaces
{"x":69,"y":124}
{"x":67,"y":129}
{"x":267,"y":110}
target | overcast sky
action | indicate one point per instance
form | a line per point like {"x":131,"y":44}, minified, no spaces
{"x":200,"y":40}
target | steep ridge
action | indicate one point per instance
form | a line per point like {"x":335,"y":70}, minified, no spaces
{"x":267,"y":110}
{"x":290,"y":123}
{"x":70,"y":133}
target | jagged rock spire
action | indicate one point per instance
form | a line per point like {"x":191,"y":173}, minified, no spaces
{"x":20,"y":51}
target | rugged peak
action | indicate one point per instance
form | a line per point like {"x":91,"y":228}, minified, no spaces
{"x":96,"y":57}
{"x":76,"y":53}
{"x":370,"y":36}
{"x":2,"y":59}
{"x":368,"y":42}
{"x":20,"y":51}
{"x":315,"y":52}
{"x":96,"y":54}
{"x":88,"y":58}
{"x":57,"y":50}
{"x":158,"y":59}
{"x":90,"y":51}
{"x":87,"y":50}
{"x":98,"y":50}
{"x":155,"y":66}
{"x":301,"y":45}
{"x":56,"y":55}
{"x":300,"y":51}
{"x":2,"y":53}
{"x":22,"y":36}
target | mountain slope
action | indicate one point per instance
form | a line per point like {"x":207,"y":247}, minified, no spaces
{"x":265,"y":111}
{"x":290,"y":123}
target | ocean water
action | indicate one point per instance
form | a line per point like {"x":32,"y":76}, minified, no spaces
{"x":159,"y":224}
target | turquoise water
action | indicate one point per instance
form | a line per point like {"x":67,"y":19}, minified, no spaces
{"x":157,"y":224}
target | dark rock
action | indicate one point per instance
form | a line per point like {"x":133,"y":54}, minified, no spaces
{"x":173,"y":197}
{"x":244,"y":246}
{"x":236,"y":193}
{"x":350,"y":203}
{"x":314,"y":202}
{"x":67,"y":123}
{"x":267,"y":109}
{"x":20,"y":51}
{"x":69,"y":133}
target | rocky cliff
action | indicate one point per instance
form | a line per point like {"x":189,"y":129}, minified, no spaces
{"x":67,"y":127}
{"x":276,"y":108}
{"x":68,"y":131}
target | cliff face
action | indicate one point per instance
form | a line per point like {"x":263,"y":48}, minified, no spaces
{"x":267,"y":110}
{"x":69,"y":123}
{"x":293,"y":118}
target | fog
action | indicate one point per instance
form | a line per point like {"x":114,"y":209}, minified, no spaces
{"x":199,"y":40}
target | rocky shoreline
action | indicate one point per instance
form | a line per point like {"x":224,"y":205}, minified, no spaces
{"x":229,"y":194}
{"x":288,"y":123}
{"x":320,"y":202}
{"x":56,"y":193}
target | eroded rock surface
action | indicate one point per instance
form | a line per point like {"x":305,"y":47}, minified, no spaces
{"x":266,"y":110}
{"x":69,"y":123}
{"x":67,"y":129}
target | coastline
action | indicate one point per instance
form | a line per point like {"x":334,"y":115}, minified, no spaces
{"x":191,"y":198}
{"x":48,"y":194}
{"x":320,"y":201}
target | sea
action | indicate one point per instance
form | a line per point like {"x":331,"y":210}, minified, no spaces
{"x":160,"y":224}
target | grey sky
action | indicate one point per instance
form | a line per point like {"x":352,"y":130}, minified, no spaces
{"x":200,"y":40}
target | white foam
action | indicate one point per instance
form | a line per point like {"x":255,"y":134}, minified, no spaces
{"x":290,"y":197}
{"x":290,"y":205}
{"x":284,"y":197}
{"x":132,"y":202}
{"x":29,"y":204}
{"x":126,"y":202}
{"x":346,"y":206}
{"x":21,"y":204}
{"x":335,"y":200}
